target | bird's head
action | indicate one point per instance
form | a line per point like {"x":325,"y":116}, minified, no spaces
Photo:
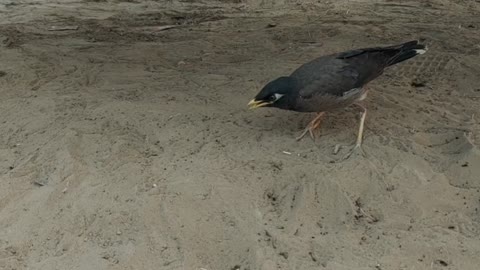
{"x":277,"y":93}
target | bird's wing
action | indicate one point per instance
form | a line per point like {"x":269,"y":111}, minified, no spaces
{"x":334,"y":77}
{"x":328,"y":85}
{"x":338,"y":74}
{"x":388,"y":53}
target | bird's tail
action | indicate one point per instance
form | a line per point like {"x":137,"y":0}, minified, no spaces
{"x":405,"y":51}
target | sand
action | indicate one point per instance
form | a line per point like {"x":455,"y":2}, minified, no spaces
{"x":126,"y":145}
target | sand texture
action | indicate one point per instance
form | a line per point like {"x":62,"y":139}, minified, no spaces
{"x":126,"y":142}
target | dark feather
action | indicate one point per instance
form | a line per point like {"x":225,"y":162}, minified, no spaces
{"x":339,"y":73}
{"x":334,"y":81}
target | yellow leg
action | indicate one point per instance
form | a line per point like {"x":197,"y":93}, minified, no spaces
{"x":362,"y":123}
{"x":358,"y":145}
{"x":314,"y":124}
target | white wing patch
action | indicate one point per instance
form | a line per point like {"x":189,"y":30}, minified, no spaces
{"x":420,"y":51}
{"x":352,"y":92}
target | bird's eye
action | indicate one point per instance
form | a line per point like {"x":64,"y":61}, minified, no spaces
{"x":274,"y":97}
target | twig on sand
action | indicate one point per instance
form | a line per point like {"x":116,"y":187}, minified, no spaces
{"x":63,"y":28}
{"x":66,"y":187}
{"x":336,"y":149}
{"x":157,"y":28}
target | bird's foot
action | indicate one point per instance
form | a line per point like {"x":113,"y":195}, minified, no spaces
{"x":312,"y":126}
{"x":308,"y":130}
{"x":357,"y":149}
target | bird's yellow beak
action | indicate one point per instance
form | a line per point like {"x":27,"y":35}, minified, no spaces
{"x":253,"y":104}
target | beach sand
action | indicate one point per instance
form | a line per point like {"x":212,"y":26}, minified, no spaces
{"x":126,"y":142}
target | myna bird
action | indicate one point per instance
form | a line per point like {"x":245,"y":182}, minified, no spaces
{"x":332,"y":82}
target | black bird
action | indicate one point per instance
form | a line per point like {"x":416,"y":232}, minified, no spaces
{"x":333,"y":81}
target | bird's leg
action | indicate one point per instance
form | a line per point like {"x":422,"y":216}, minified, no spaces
{"x":362,"y":123}
{"x":358,"y":144}
{"x":314,"y":124}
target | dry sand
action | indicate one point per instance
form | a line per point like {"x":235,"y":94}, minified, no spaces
{"x":127,"y":146}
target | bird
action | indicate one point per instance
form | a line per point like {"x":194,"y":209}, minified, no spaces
{"x":332,"y":82}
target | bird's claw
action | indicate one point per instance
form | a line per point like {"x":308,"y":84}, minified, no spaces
{"x":308,"y":130}
{"x":357,"y":149}
{"x":312,"y":126}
